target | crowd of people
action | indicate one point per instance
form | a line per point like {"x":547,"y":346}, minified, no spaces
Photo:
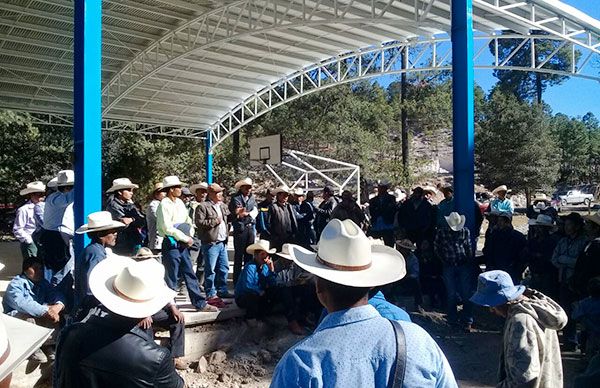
{"x":333,"y":267}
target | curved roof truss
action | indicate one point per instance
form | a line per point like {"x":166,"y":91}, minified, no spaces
{"x":181,"y":67}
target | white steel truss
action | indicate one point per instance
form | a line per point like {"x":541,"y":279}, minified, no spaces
{"x":419,"y":56}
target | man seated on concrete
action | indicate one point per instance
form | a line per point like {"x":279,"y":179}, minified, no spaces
{"x":169,"y":317}
{"x":530,"y":351}
{"x":30,"y":297}
{"x":354,"y":346}
{"x":108,"y":348}
{"x":102,"y":231}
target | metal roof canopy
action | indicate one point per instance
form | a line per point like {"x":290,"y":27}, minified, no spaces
{"x":182,"y":67}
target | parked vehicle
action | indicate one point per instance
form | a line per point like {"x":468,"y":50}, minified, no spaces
{"x":575,"y":197}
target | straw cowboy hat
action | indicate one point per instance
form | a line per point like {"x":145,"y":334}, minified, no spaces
{"x":120,"y":184}
{"x":430,"y":189}
{"x":243,"y":182}
{"x":298,"y":191}
{"x":144,"y":253}
{"x":170,"y":181}
{"x":595,"y":218}
{"x":542,"y":220}
{"x":33,"y":187}
{"x":215,"y":188}
{"x":98,"y":221}
{"x":406,"y":244}
{"x":18,"y":340}
{"x":260,"y":245}
{"x":65,"y":178}
{"x":158,"y":187}
{"x":455,"y":221}
{"x":196,"y":186}
{"x":52,"y":183}
{"x":500,"y":188}
{"x":282,"y":189}
{"x":134,"y":289}
{"x":346,"y":256}
{"x":285,"y":253}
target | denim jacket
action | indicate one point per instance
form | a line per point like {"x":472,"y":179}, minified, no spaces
{"x":26,"y":297}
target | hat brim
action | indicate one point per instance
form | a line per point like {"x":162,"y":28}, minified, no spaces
{"x":194,"y":188}
{"x":410,"y":248}
{"x":101,"y":284}
{"x":284,"y":256}
{"x":174,"y":184}
{"x":63,"y":184}
{"x":24,"y":338}
{"x":535,"y":223}
{"x":459,"y":226}
{"x":250,"y":249}
{"x":494,"y":300}
{"x":31,"y":191}
{"x":387,"y":266}
{"x":113,"y":225}
{"x":121,"y":187}
{"x":240,"y":184}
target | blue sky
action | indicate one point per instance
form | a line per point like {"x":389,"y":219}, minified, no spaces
{"x":575,"y":97}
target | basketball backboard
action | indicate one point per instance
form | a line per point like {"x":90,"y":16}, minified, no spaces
{"x":265,"y":150}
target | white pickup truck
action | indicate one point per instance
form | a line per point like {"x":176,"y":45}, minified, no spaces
{"x":575,"y":197}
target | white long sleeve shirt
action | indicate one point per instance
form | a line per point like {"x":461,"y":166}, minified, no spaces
{"x":25,"y":224}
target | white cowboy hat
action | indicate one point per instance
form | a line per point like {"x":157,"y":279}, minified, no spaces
{"x":120,"y":184}
{"x":541,"y":220}
{"x":53,"y":182}
{"x":298,"y":191}
{"x":134,"y":289}
{"x":455,"y":221}
{"x":281,"y":189}
{"x":540,"y":206}
{"x":500,"y":188}
{"x":406,"y":244}
{"x":346,"y":256}
{"x":65,"y":178}
{"x":260,"y":245}
{"x":595,"y":218}
{"x":196,"y":186}
{"x":243,"y":182}
{"x":286,"y":250}
{"x":430,"y":189}
{"x":158,"y":186}
{"x":33,"y":187}
{"x":98,"y":221}
{"x":172,"y":180}
{"x":144,"y":253}
{"x":18,"y":340}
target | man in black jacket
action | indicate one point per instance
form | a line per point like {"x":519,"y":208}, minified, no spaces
{"x":122,"y":208}
{"x":382,"y":209}
{"x":109,"y":349}
{"x":243,"y":213}
{"x":323,"y":212}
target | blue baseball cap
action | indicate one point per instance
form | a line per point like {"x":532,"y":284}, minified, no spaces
{"x":495,"y":288}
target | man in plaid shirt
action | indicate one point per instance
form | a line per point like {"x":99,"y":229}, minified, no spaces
{"x":452,"y":245}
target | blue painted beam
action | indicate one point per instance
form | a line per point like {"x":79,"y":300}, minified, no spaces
{"x":209,"y":158}
{"x":87,"y":113}
{"x":463,"y":109}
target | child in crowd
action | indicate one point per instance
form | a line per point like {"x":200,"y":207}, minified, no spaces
{"x":587,"y":311}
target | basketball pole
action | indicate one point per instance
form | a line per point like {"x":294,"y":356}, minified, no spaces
{"x":209,"y":157}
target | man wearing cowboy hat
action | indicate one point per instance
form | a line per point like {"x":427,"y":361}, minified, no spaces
{"x":122,"y":208}
{"x":154,"y":239}
{"x":176,"y":227}
{"x":213,"y":230}
{"x":354,"y":346}
{"x":530,"y":354}
{"x":323,"y":211}
{"x":382,"y":209}
{"x":58,"y":230}
{"x":411,"y":283}
{"x":416,"y":219}
{"x":348,"y":209}
{"x":305,"y":215}
{"x":282,"y":219}
{"x":109,"y":349}
{"x":243,"y":211}
{"x":541,"y":242}
{"x":588,"y":263}
{"x":25,"y":224}
{"x":501,"y":204}
{"x":453,"y":246}
{"x":102,"y":231}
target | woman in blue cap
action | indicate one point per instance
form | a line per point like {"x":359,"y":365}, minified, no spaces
{"x":530,"y":352}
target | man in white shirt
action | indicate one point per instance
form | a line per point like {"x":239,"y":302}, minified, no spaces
{"x":174,"y":224}
{"x":25,"y":222}
{"x":154,"y":239}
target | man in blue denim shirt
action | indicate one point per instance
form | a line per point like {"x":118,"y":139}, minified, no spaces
{"x":354,"y":346}
{"x":29,"y":295}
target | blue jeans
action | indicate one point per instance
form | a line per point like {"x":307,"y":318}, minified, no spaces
{"x":176,"y":259}
{"x":216,"y":268}
{"x":459,"y":280}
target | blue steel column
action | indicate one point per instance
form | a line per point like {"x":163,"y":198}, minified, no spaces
{"x":462,"y":109}
{"x":209,"y":157}
{"x":87,"y":112}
